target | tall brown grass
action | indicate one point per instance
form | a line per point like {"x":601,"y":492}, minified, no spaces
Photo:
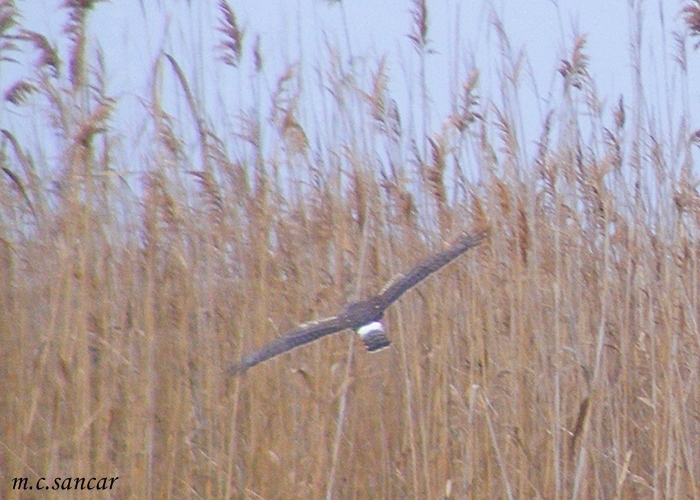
{"x":558,"y":360}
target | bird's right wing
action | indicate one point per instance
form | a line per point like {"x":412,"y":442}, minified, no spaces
{"x":402,"y":283}
{"x":303,"y":334}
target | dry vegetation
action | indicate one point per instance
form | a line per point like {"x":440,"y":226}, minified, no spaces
{"x":558,"y":360}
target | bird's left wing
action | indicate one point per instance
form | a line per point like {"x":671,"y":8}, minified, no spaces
{"x":303,"y":334}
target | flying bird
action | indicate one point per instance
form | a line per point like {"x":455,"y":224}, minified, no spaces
{"x":363,"y":316}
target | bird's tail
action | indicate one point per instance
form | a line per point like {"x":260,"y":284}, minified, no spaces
{"x":372,"y":335}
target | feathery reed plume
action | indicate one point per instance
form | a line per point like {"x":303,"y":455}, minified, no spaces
{"x":165,"y":134}
{"x":383,"y":109}
{"x":284,"y":111}
{"x":48,"y":54}
{"x":194,"y":109}
{"x":510,"y":141}
{"x":575,"y":69}
{"x":257,"y":55}
{"x":162,"y":201}
{"x":20,"y":186}
{"x":545,"y":169}
{"x":435,"y":177}
{"x":232,"y":46}
{"x":26,"y":164}
{"x":29,"y":173}
{"x":20,"y":92}
{"x":75,"y":28}
{"x":212,"y":191}
{"x":619,"y":114}
{"x":466,"y":112}
{"x":691,"y":14}
{"x":359,"y":191}
{"x":614,"y":149}
{"x":524,"y":233}
{"x":419,"y":35}
{"x":435,"y":172}
{"x":95,"y":123}
{"x":8,"y":20}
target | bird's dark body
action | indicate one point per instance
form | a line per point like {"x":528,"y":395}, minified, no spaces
{"x":357,"y":314}
{"x":361,"y":313}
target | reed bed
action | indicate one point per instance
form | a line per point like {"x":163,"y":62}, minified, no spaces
{"x":557,"y":360}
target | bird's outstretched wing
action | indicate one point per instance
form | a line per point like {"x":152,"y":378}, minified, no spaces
{"x":404,"y":282}
{"x":303,"y":334}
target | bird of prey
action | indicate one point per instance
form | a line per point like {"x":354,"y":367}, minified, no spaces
{"x":363,"y":316}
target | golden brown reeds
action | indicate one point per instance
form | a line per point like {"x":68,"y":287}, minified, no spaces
{"x":557,"y":360}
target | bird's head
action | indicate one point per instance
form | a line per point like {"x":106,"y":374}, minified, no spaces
{"x":364,"y":312}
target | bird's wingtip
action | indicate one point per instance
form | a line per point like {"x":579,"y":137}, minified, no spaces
{"x":478,"y":234}
{"x":236,"y":369}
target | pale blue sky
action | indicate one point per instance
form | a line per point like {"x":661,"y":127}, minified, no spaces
{"x":461,"y":32}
